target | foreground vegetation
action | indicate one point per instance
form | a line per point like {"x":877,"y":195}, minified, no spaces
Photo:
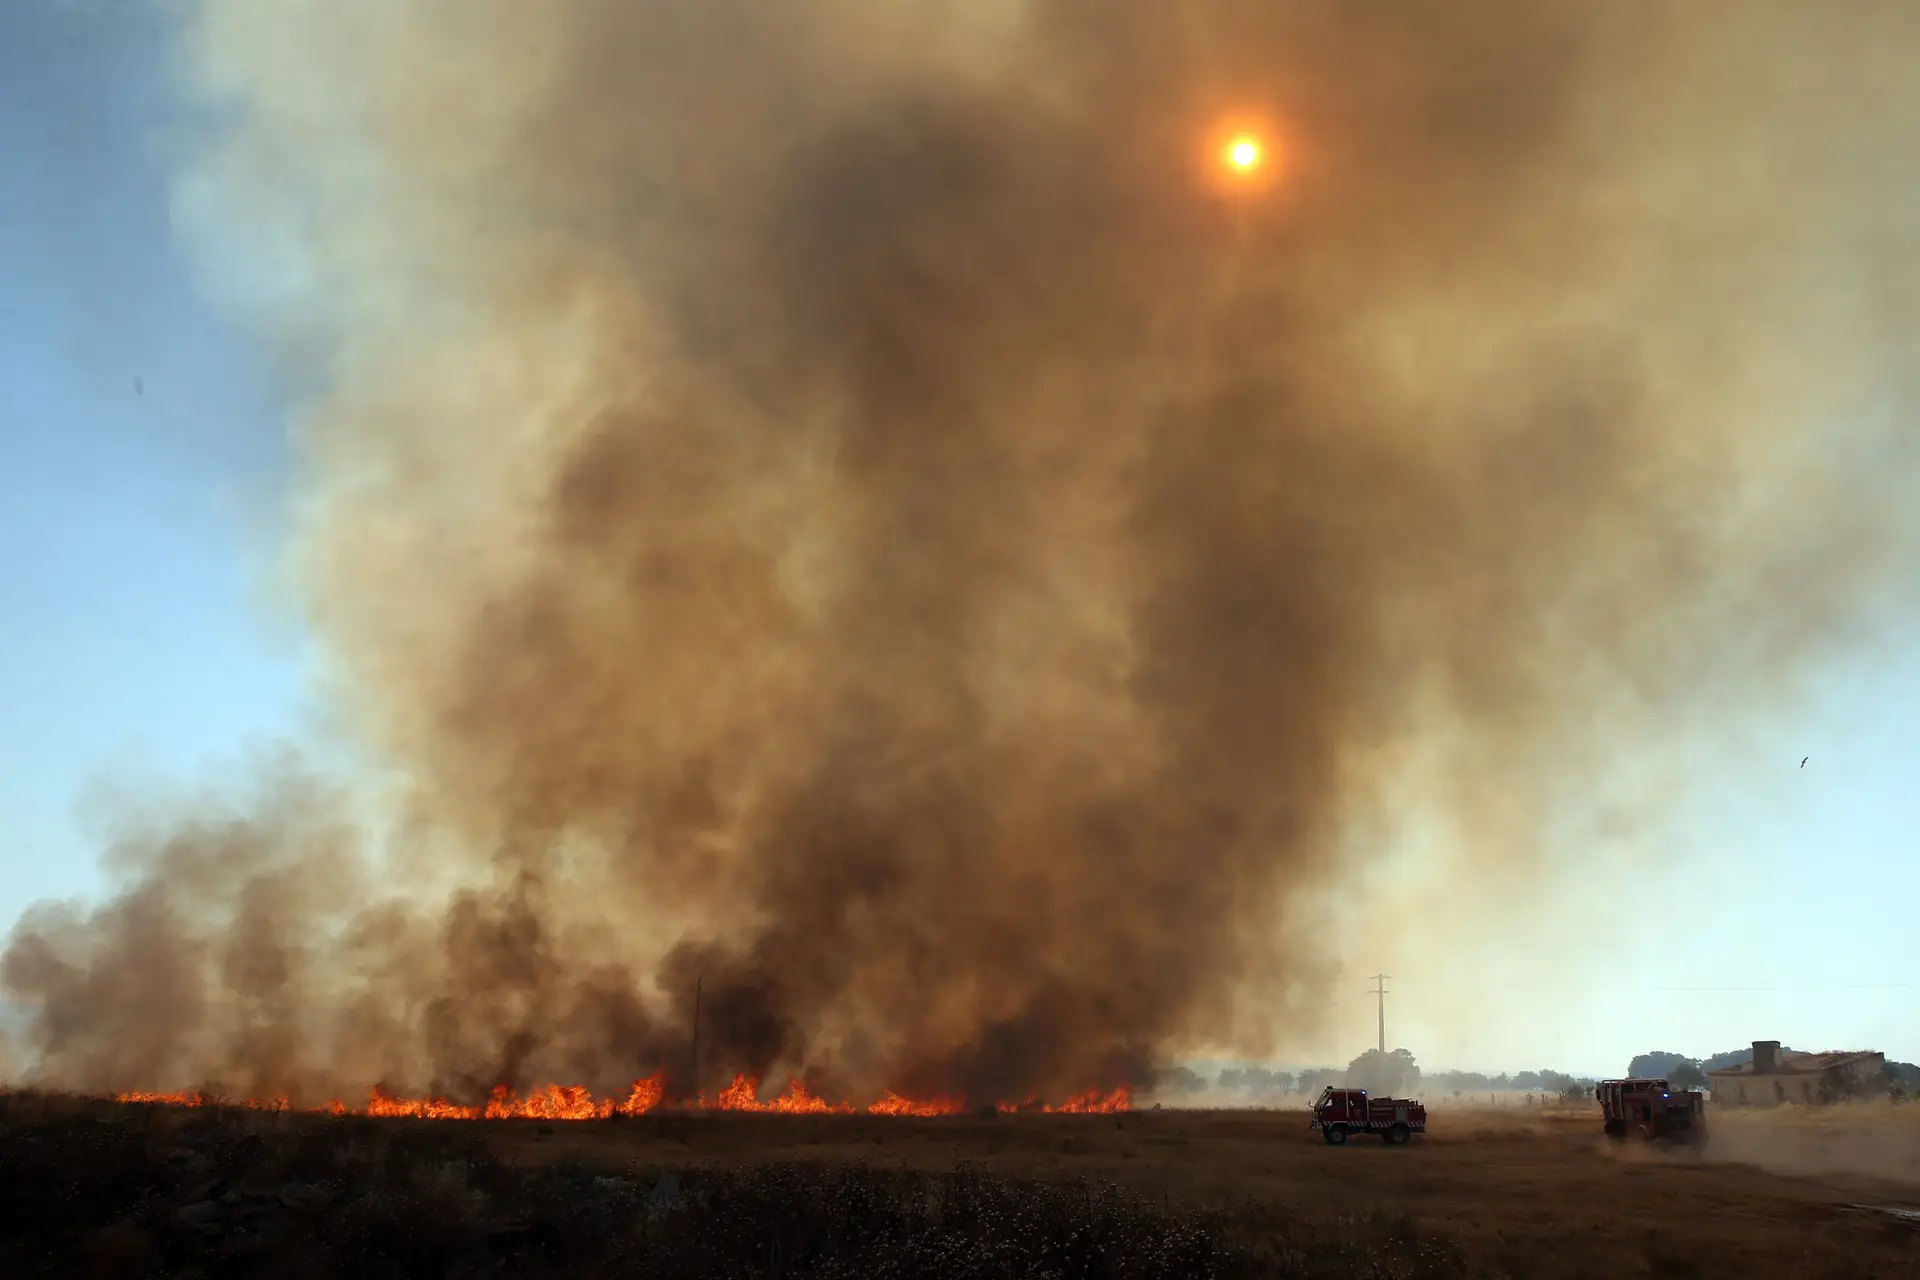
{"x":103,"y":1189}
{"x":98,"y":1188}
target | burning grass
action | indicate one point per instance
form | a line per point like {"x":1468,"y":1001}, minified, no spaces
{"x":575,"y":1102}
{"x":122,"y":1191}
{"x":116,"y":1190}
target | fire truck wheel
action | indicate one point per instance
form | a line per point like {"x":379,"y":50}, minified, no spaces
{"x":1397,"y":1134}
{"x":1336,"y":1134}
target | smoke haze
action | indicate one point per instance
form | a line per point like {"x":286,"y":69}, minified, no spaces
{"x":841,"y":504}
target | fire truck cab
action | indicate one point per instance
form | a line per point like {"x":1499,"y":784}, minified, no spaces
{"x":1651,"y":1109}
{"x":1339,"y":1112}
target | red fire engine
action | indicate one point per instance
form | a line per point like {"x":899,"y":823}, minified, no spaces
{"x":1652,"y":1109}
{"x":1339,"y":1112}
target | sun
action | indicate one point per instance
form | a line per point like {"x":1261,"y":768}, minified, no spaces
{"x":1243,"y":156}
{"x":1243,"y":153}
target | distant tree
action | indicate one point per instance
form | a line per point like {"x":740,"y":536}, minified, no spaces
{"x":1899,"y":1079}
{"x":1393,"y":1073}
{"x":1686,"y":1074}
{"x":1255,"y":1081}
{"x":1659,"y":1063}
{"x":1313,"y":1080}
{"x":1265,"y":1081}
{"x":1831,"y":1090}
{"x":1577,"y":1093}
{"x":1735,"y":1058}
{"x":1176,"y":1081}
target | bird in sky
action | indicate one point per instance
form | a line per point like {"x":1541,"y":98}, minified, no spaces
{"x":1803,"y":761}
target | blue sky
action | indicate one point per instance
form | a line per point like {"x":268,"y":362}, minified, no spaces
{"x":139,"y":439}
{"x":141,"y":446}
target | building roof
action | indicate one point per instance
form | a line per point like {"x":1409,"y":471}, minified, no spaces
{"x":1802,"y":1063}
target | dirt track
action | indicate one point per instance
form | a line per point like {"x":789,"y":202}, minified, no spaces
{"x":1543,"y":1195}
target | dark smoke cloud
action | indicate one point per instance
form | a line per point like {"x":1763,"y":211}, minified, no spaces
{"x":833,"y":503}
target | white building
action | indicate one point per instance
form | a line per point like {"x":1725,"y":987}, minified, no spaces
{"x":1774,"y":1078}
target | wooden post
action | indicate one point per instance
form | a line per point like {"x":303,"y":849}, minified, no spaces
{"x":693,"y":1056}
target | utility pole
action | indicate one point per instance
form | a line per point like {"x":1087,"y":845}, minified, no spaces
{"x":1380,"y":990}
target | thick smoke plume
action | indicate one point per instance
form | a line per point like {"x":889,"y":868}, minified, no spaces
{"x":845,"y":506}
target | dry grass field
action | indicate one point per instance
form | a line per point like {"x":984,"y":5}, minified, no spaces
{"x":99,"y":1189}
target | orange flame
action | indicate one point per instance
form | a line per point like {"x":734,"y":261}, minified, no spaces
{"x":797,"y":1101}
{"x":744,"y":1095}
{"x":1093,"y":1102}
{"x":895,"y":1105}
{"x":382,"y":1103}
{"x":576,"y":1102}
{"x":645,"y":1096}
{"x":163,"y":1099}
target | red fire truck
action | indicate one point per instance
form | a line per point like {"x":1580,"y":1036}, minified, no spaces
{"x":1339,"y":1112}
{"x":1652,"y":1109}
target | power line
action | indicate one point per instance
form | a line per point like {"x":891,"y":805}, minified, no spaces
{"x":1613,"y":987}
{"x":1832,"y":986}
{"x":1523,"y":985}
{"x":1479,"y":984}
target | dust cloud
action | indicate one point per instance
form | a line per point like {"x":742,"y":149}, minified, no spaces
{"x":843,"y":506}
{"x":1874,"y":1140}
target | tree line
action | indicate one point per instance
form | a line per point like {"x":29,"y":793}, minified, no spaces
{"x":1392,"y":1073}
{"x":1397,"y":1073}
{"x":1901,"y":1080}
